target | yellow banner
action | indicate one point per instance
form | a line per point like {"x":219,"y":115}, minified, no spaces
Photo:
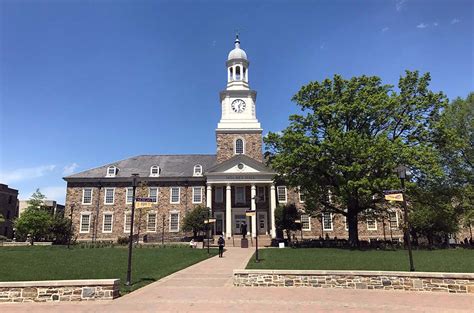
{"x":141,"y":205}
{"x":394,"y":197}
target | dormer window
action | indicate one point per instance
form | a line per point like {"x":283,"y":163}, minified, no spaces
{"x":239,"y":146}
{"x":154,"y":171}
{"x":197,"y":170}
{"x":111,"y":171}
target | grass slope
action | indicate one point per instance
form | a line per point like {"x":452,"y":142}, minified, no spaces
{"x":57,"y":262}
{"x":459,"y":260}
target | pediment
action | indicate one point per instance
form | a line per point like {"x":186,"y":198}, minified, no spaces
{"x":240,"y":164}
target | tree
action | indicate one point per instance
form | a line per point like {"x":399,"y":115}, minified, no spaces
{"x":60,"y":229}
{"x":285,"y":217}
{"x":342,"y":148}
{"x":36,"y":200}
{"x":36,"y":223}
{"x":194,"y":220}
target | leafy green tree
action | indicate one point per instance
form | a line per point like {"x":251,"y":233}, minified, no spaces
{"x":342,"y":148}
{"x":285,"y":217}
{"x":194,"y":220}
{"x":60,"y":229}
{"x":36,"y":200}
{"x":36,"y":223}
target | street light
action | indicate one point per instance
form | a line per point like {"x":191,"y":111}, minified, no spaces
{"x":70,"y":226}
{"x":402,"y":172}
{"x":130,"y":238}
{"x":208,"y":221}
{"x":256,"y":199}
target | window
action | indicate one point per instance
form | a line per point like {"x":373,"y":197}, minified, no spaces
{"x":327,"y":221}
{"x":305,"y":222}
{"x":127,"y":222}
{"x":281,"y":193}
{"x":346,"y":224}
{"x":129,"y":195}
{"x":371,"y":223}
{"x":301,"y":195}
{"x":261,"y":194}
{"x":107,"y":223}
{"x":174,"y":194}
{"x":239,"y":146}
{"x":151,"y":222}
{"x":154,"y":171}
{"x":219,"y":196}
{"x":240,"y":195}
{"x":85,"y":224}
{"x":109,"y":195}
{"x":153,"y":194}
{"x":87,"y":196}
{"x":10,"y":199}
{"x":197,"y":194}
{"x":197,"y":170}
{"x":393,"y":220}
{"x":111,"y":171}
{"x":174,"y":222}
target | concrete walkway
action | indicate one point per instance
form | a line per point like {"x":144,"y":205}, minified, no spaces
{"x":207,"y":286}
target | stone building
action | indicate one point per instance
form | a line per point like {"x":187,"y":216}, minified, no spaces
{"x":8,"y":209}
{"x":50,"y":206}
{"x":230,"y":182}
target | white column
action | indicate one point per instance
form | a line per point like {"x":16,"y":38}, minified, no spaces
{"x":228,"y":74}
{"x":228,"y":212}
{"x":253,"y":207}
{"x":209,"y":197}
{"x":272,"y":210}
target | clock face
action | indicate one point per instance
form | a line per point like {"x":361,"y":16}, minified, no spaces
{"x":238,"y":105}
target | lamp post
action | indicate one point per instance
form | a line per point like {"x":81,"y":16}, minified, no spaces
{"x":257,"y":260}
{"x":130,"y":238}
{"x":402,"y":172}
{"x":70,"y":226}
{"x":298,"y":221}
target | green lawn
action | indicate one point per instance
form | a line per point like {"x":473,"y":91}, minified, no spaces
{"x":57,"y":262}
{"x":459,"y":260}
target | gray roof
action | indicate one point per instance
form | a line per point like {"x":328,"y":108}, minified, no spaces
{"x":181,"y":165}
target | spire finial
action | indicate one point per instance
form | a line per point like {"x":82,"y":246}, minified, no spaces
{"x":237,"y":41}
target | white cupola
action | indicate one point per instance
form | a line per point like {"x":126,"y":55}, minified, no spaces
{"x":237,"y":67}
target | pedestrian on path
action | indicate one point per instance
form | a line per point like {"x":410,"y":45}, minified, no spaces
{"x":221,"y":243}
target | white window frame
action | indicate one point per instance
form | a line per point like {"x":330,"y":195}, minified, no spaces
{"x":330,"y":219}
{"x":278,"y":194}
{"x":105,"y":196}
{"x":83,"y":193}
{"x":171,"y":195}
{"x":80,"y":223}
{"x":243,"y":145}
{"x":259,"y":193}
{"x":157,"y":193}
{"x":128,"y":193}
{"x":174,"y":230}
{"x":148,"y":221}
{"x":299,"y":195}
{"x":221,"y":198}
{"x":309,"y":222}
{"x":390,"y":222}
{"x":108,"y":174}
{"x":243,"y":200}
{"x":128,"y":213}
{"x":346,"y":224}
{"x":368,"y":220}
{"x":194,"y":194}
{"x":157,"y":174}
{"x":197,"y":166}
{"x":111,"y":222}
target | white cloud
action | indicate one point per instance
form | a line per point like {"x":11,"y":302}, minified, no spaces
{"x":435,"y":24}
{"x":69,"y":169}
{"x":400,"y":4}
{"x":384,"y":29}
{"x":421,"y":25}
{"x":455,"y":21}
{"x":57,"y":193}
{"x":22,"y":174}
{"x":322,"y":46}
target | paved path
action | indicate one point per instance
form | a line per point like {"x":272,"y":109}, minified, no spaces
{"x":207,"y":286}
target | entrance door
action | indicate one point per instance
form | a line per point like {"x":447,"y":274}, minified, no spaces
{"x":219,"y":223}
{"x":262,"y":223}
{"x":239,"y":219}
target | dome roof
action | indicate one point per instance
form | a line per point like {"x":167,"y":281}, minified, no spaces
{"x":237,"y":53}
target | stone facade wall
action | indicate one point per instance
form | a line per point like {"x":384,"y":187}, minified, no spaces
{"x":8,"y":209}
{"x":406,"y":281}
{"x":60,"y":290}
{"x":163,"y":207}
{"x":225,"y":145}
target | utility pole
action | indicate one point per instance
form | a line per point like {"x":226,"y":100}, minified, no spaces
{"x":130,"y":238}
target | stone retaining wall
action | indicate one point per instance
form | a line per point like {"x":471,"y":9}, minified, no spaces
{"x":59,"y":290}
{"x":23,"y":243}
{"x":407,"y":281}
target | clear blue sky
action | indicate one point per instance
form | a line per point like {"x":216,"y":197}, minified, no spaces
{"x":85,"y":83}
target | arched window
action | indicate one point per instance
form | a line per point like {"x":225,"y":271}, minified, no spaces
{"x":231,"y":73}
{"x":237,"y":73}
{"x":154,"y":171}
{"x":111,"y":171}
{"x":239,"y":146}
{"x":197,"y":170}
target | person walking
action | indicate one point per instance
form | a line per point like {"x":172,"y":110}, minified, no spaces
{"x":221,"y":243}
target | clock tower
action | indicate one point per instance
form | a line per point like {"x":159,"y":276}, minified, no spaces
{"x":238,"y":131}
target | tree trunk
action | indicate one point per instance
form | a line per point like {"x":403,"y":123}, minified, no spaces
{"x":353,"y":229}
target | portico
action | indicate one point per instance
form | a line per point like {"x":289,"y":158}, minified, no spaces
{"x":237,"y":185}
